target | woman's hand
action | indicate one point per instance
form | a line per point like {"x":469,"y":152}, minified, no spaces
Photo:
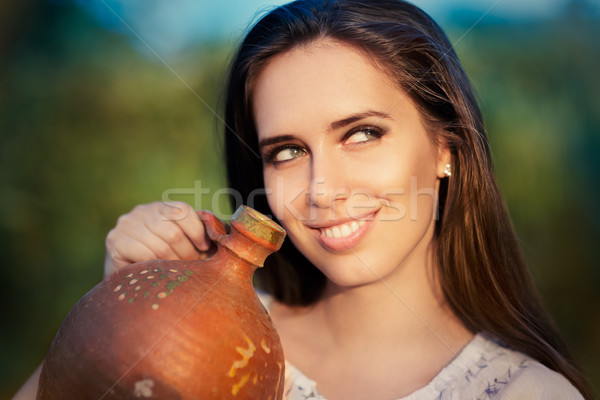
{"x":168,"y":231}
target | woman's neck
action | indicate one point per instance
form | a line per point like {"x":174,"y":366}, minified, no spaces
{"x":404,"y":309}
{"x":407,"y":305}
{"x":399,"y":323}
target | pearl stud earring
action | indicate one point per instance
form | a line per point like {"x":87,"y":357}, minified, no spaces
{"x":447,"y":170}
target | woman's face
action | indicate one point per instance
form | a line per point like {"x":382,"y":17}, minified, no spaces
{"x":349,"y":168}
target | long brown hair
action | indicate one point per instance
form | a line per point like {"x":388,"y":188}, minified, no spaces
{"x":480,"y":265}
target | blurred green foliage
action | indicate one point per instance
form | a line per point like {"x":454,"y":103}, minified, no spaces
{"x":89,"y":128}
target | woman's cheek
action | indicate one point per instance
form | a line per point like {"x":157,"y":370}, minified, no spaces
{"x":271,"y":193}
{"x":285,"y":195}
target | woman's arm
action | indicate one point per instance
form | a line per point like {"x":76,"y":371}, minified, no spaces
{"x":29,"y":390}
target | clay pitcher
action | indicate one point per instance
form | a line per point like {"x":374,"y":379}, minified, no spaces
{"x":175,"y":329}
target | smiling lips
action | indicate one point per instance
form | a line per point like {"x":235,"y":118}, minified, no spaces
{"x":343,"y":230}
{"x":344,"y":236}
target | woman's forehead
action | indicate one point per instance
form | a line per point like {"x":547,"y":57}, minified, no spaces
{"x":324,"y":81}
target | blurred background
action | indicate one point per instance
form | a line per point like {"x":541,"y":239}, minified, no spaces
{"x":105,"y":104}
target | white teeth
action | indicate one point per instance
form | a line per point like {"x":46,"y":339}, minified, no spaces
{"x":346,"y":231}
{"x":343,"y":230}
{"x":336,"y":232}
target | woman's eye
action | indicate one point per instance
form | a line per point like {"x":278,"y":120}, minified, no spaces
{"x":287,"y":153}
{"x":364,"y":135}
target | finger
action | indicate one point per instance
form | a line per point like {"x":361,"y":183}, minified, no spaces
{"x":175,"y":238}
{"x":174,"y":210}
{"x":160,"y":247}
{"x":185,"y":217}
{"x":116,"y":258}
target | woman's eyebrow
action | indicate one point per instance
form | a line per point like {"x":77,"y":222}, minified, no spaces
{"x":274,"y":140}
{"x":357,"y":117}
{"x":333,"y":126}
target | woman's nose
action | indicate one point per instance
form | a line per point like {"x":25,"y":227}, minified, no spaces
{"x":327,"y":182}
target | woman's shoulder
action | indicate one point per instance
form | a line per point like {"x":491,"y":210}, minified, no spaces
{"x":485,"y":369}
{"x":537,"y":381}
{"x":525,"y":377}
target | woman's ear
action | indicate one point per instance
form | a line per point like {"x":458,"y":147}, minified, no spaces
{"x":444,"y":164}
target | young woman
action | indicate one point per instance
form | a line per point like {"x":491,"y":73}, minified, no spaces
{"x":402,"y":277}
